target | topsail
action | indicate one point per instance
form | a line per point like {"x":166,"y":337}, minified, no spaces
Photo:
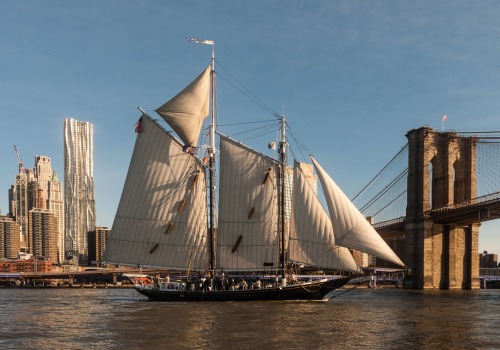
{"x":187,"y":110}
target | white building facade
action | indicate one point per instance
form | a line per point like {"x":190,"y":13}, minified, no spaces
{"x":79,"y":199}
{"x":56,"y":206}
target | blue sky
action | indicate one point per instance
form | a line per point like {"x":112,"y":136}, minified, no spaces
{"x":352,"y":76}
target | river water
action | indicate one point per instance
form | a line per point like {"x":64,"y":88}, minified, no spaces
{"x":73,"y":318}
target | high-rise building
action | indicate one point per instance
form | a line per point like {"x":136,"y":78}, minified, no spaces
{"x":79,"y":200}
{"x":9,"y":238}
{"x":97,"y":243}
{"x":43,"y":173}
{"x":49,"y":196}
{"x":44,"y":232}
{"x":22,"y":198}
{"x":488,"y":260}
{"x":56,"y":206}
{"x":36,"y":188}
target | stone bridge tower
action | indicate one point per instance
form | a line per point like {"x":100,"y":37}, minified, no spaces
{"x":441,"y":172}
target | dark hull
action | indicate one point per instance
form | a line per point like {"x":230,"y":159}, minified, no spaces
{"x":306,"y":291}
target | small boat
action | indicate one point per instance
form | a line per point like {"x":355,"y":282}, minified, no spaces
{"x":258,"y":216}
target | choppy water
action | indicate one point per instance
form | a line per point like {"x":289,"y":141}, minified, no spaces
{"x":64,"y":318}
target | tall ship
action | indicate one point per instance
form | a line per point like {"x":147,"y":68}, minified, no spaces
{"x":234,"y":223}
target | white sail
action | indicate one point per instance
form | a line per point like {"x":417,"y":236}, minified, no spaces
{"x":248,"y":210}
{"x":311,"y":238}
{"x":350,"y":227}
{"x":161,"y":218}
{"x":187,"y":110}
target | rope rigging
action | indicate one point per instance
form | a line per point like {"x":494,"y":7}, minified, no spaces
{"x":245,"y":91}
{"x":385,"y":196}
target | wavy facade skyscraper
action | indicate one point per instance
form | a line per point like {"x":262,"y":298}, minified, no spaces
{"x":79,"y":199}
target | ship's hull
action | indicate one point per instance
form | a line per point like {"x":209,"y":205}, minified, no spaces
{"x":315,"y":290}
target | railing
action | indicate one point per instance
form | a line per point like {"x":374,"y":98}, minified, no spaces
{"x":489,"y":198}
{"x":393,"y":222}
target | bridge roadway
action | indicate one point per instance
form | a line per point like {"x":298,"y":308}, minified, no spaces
{"x":465,"y":213}
{"x":469,"y":212}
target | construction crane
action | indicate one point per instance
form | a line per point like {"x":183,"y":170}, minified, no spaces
{"x":19,"y":160}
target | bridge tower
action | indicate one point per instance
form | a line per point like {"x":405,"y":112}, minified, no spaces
{"x":441,"y":172}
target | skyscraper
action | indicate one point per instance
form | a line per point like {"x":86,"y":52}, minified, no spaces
{"x":43,"y":229}
{"x":37,"y":188}
{"x":79,"y":200}
{"x":49,"y":196}
{"x":21,"y":202}
{"x":9,"y":238}
{"x":56,"y":206}
{"x":43,"y":173}
{"x":97,"y":243}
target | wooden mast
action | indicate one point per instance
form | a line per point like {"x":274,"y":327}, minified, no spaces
{"x":283,"y":196}
{"x":211,"y":161}
{"x":211,"y":151}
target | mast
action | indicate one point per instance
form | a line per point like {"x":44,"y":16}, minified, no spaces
{"x":211,"y":151}
{"x":211,"y":159}
{"x":283,"y":197}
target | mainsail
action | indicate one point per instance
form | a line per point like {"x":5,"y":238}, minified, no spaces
{"x":248,"y":211}
{"x":161,"y":218}
{"x":186,"y":111}
{"x":311,"y":239}
{"x":350,"y":227}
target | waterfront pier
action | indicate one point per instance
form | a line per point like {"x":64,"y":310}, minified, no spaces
{"x":90,"y":277}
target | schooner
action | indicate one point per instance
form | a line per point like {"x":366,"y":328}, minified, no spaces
{"x":167,"y":218}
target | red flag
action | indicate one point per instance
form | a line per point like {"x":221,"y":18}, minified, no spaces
{"x":138,"y":126}
{"x":445,"y":117}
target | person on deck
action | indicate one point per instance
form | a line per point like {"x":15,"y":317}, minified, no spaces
{"x":243,"y":284}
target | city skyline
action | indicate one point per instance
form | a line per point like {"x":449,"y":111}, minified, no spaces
{"x":354,"y":76}
{"x":36,"y":205}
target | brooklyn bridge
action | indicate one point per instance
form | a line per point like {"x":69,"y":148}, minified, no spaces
{"x":429,"y":202}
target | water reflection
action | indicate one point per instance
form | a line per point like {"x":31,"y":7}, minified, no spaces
{"x":375,"y":319}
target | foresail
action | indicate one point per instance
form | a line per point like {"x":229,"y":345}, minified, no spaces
{"x":161,"y":218}
{"x":187,"y":110}
{"x":247,"y":230}
{"x":350,"y":227}
{"x":311,"y":238}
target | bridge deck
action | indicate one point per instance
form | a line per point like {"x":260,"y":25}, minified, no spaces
{"x":466,"y":213}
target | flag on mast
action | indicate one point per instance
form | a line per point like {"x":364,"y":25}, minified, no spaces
{"x":445,"y":118}
{"x":206,"y":42}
